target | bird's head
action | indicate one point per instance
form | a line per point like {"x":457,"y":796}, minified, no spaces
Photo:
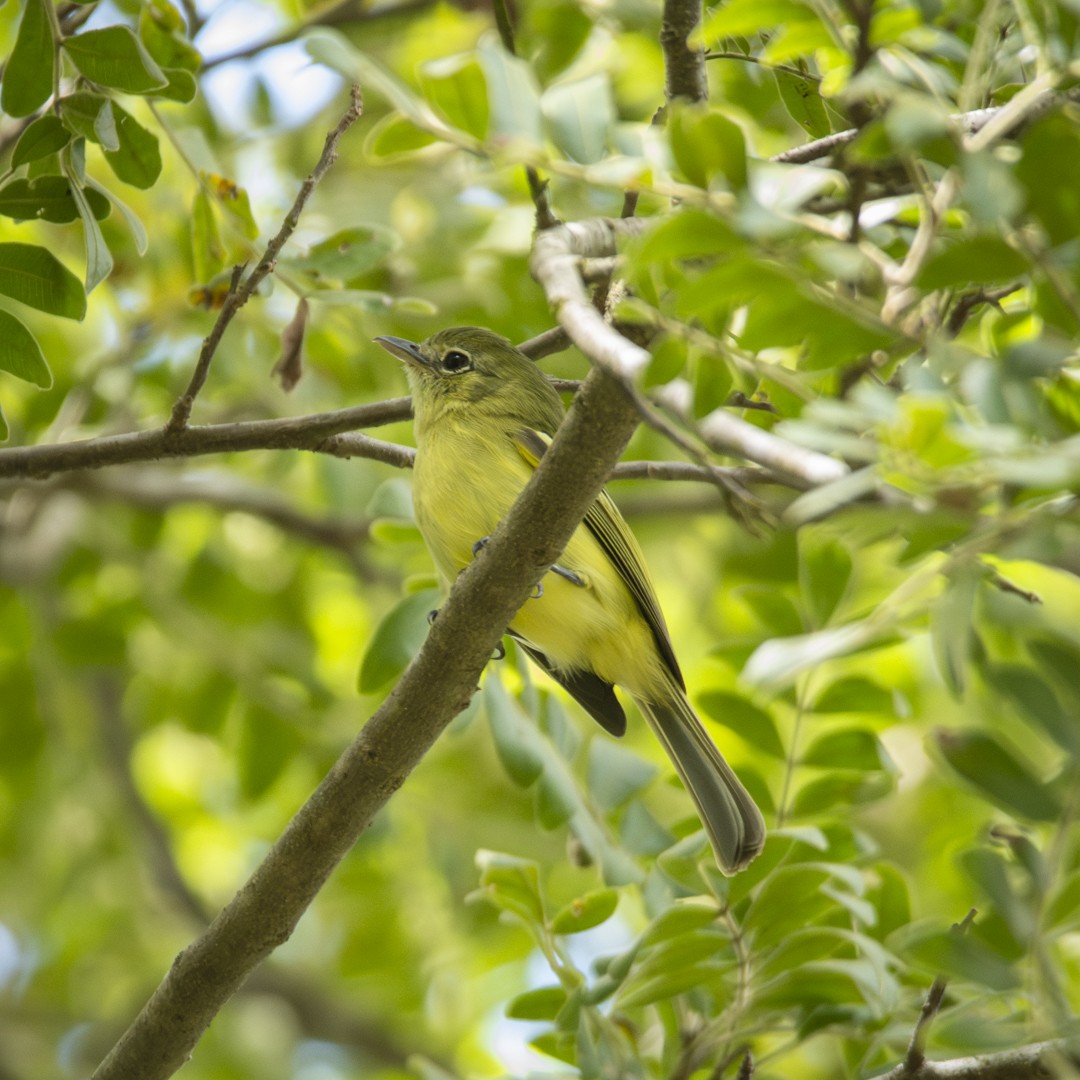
{"x":466,"y":366}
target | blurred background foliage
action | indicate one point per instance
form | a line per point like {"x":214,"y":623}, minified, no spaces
{"x":891,"y":661}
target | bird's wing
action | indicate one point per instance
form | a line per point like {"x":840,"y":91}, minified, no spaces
{"x":612,"y":533}
{"x":594,"y":695}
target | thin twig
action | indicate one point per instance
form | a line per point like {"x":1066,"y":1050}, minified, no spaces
{"x":240,"y":293}
{"x":971,"y":123}
{"x":538,"y":186}
{"x":785,"y":69}
{"x":343,"y":13}
{"x":916,"y":1052}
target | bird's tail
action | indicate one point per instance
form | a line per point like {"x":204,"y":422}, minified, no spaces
{"x":731,"y":818}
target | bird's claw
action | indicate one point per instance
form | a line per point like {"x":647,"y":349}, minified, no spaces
{"x":537,"y":592}
{"x":500,"y":652}
{"x":432,"y":616}
{"x":480,"y":545}
{"x":574,"y":579}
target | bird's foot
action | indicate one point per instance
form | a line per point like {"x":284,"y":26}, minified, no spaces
{"x":574,"y":579}
{"x":480,"y":545}
{"x":432,"y":616}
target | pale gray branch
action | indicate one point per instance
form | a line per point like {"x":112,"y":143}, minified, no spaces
{"x":728,"y":434}
{"x":556,"y":257}
{"x":1039,"y":1061}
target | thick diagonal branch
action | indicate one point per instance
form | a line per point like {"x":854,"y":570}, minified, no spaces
{"x":436,"y":686}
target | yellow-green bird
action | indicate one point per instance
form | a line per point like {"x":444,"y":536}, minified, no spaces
{"x":484,"y":414}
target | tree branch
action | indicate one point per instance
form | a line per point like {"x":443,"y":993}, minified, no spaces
{"x":343,"y":13}
{"x":313,"y":432}
{"x":1039,"y":1061}
{"x":435,"y":687}
{"x":726,"y":434}
{"x":970,"y":122}
{"x":239,"y":293}
{"x":554,"y":263}
{"x":684,"y":67}
{"x":321,"y":1016}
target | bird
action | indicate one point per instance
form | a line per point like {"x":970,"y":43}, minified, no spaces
{"x":484,"y":414}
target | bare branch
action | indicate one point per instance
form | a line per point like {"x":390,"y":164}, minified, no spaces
{"x":293,"y":433}
{"x":435,"y":687}
{"x":970,"y":122}
{"x":554,"y":264}
{"x":1039,"y":1061}
{"x":343,"y":13}
{"x":538,"y":186}
{"x":727,"y":434}
{"x":239,"y":293}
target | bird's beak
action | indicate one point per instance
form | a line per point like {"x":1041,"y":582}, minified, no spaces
{"x":403,"y":350}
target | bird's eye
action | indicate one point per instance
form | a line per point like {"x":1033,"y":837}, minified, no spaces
{"x":456,"y":361}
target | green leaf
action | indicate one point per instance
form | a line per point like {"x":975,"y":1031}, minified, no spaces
{"x":841,"y":789}
{"x":455,"y":85}
{"x":780,"y":661}
{"x":181,"y":86}
{"x":952,"y":632}
{"x":586,"y":912}
{"x":891,"y":898}
{"x":48,"y":198}
{"x":746,"y":17}
{"x":1036,"y":701}
{"x":233,"y":199}
{"x":162,"y":32}
{"x":789,"y":899}
{"x":552,"y":34}
{"x":91,"y":116}
{"x":516,"y":740}
{"x":137,"y":160}
{"x":138,"y":231}
{"x":706,"y":144}
{"x":99,"y":261}
{"x":850,"y":748}
{"x":579,"y":115}
{"x":20,"y":354}
{"x":945,"y":952}
{"x":557,"y":800}
{"x":114,"y":57}
{"x":746,"y":719}
{"x":396,"y":640}
{"x":1061,"y":658}
{"x":513,"y":97}
{"x":35,"y":277}
{"x":824,"y":576}
{"x":990,"y":871}
{"x":977,"y":260}
{"x":346,"y":254}
{"x":998,"y":773}
{"x":28,"y":75}
{"x":511,"y":884}
{"x":208,"y":253}
{"x":855,"y":694}
{"x":802,"y":99}
{"x":395,"y":137}
{"x":774,"y":609}
{"x":46,"y":135}
{"x":268,"y":742}
{"x":542,"y":1003}
{"x":615,"y":773}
